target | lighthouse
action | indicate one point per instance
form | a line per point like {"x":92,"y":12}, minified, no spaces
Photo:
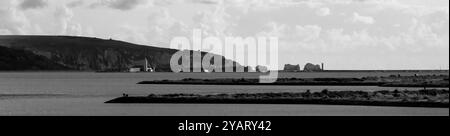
{"x":147,"y":67}
{"x":323,"y":67}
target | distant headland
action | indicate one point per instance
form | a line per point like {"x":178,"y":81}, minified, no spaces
{"x":390,"y":81}
{"x":70,"y":53}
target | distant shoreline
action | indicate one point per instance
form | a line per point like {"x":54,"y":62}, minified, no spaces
{"x":424,"y":98}
{"x":373,"y":71}
{"x":326,"y":71}
{"x":435,"y":81}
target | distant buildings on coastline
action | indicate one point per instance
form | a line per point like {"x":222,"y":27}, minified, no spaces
{"x":309,"y":67}
{"x":145,"y":66}
{"x":142,"y":66}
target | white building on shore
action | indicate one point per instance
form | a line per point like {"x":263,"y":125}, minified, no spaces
{"x":134,"y":70}
{"x":142,"y":66}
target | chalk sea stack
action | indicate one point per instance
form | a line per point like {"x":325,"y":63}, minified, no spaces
{"x":309,"y":67}
{"x":291,"y":68}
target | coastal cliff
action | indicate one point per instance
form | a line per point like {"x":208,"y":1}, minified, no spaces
{"x":12,"y":59}
{"x":88,"y":54}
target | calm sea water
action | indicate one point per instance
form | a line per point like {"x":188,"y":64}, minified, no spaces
{"x":83,"y":93}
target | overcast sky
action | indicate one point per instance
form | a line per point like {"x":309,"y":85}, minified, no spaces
{"x":344,"y":34}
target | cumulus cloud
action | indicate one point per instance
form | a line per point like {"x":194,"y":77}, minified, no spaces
{"x":119,"y":4}
{"x":323,"y":12}
{"x":216,"y":22}
{"x":310,"y":28}
{"x":421,"y":35}
{"x":162,"y":27}
{"x":308,"y":32}
{"x":33,"y":4}
{"x":12,"y":22}
{"x":131,"y":34}
{"x":362,"y":19}
{"x":207,"y":1}
{"x":66,"y":26}
{"x":63,"y":16}
{"x":166,"y":2}
{"x":76,"y":3}
{"x":289,"y":33}
{"x":415,"y":35}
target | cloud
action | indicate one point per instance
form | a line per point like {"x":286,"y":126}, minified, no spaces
{"x":311,"y":29}
{"x":166,"y":2}
{"x":323,"y":12}
{"x":75,"y":4}
{"x":293,"y":34}
{"x":362,"y":19}
{"x":419,"y":37}
{"x":4,"y":32}
{"x":207,"y":1}
{"x":12,"y":21}
{"x":66,"y":26}
{"x":132,"y":34}
{"x":423,"y":35}
{"x":63,"y":16}
{"x":33,"y":4}
{"x":162,"y":27}
{"x":308,"y":32}
{"x":216,"y":22}
{"x":119,"y":4}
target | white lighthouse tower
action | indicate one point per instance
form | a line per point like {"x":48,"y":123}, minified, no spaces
{"x":147,"y":67}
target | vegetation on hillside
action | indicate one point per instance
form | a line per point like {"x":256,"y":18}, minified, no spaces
{"x":13,"y":59}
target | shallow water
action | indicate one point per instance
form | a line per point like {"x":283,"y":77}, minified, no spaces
{"x":83,"y":93}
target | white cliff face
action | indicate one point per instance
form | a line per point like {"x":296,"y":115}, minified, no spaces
{"x":291,"y":68}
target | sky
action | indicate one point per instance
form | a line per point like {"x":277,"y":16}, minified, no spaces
{"x":343,"y":34}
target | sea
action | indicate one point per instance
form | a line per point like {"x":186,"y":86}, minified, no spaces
{"x":84,"y":94}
